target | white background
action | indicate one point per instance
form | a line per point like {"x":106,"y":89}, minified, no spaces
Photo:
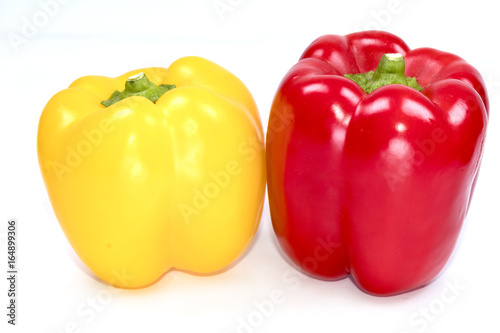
{"x":258,"y":40}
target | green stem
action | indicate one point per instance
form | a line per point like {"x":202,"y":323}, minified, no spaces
{"x":390,"y":70}
{"x":139,"y":85}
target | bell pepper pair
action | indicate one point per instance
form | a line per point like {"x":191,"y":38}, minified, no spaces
{"x":372,"y":149}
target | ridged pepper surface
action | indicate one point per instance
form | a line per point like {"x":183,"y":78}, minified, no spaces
{"x":373,"y":150}
{"x":156,"y":177}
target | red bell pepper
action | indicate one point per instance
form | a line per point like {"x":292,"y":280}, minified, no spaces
{"x":372,"y":174}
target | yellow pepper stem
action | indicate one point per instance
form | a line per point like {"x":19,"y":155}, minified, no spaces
{"x":139,"y":85}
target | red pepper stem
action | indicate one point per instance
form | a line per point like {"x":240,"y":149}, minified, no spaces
{"x":390,"y":70}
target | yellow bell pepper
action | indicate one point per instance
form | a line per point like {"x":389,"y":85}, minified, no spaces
{"x":165,"y":178}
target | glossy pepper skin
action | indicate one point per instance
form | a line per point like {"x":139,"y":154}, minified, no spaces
{"x":376,"y":185}
{"x":140,"y":188}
